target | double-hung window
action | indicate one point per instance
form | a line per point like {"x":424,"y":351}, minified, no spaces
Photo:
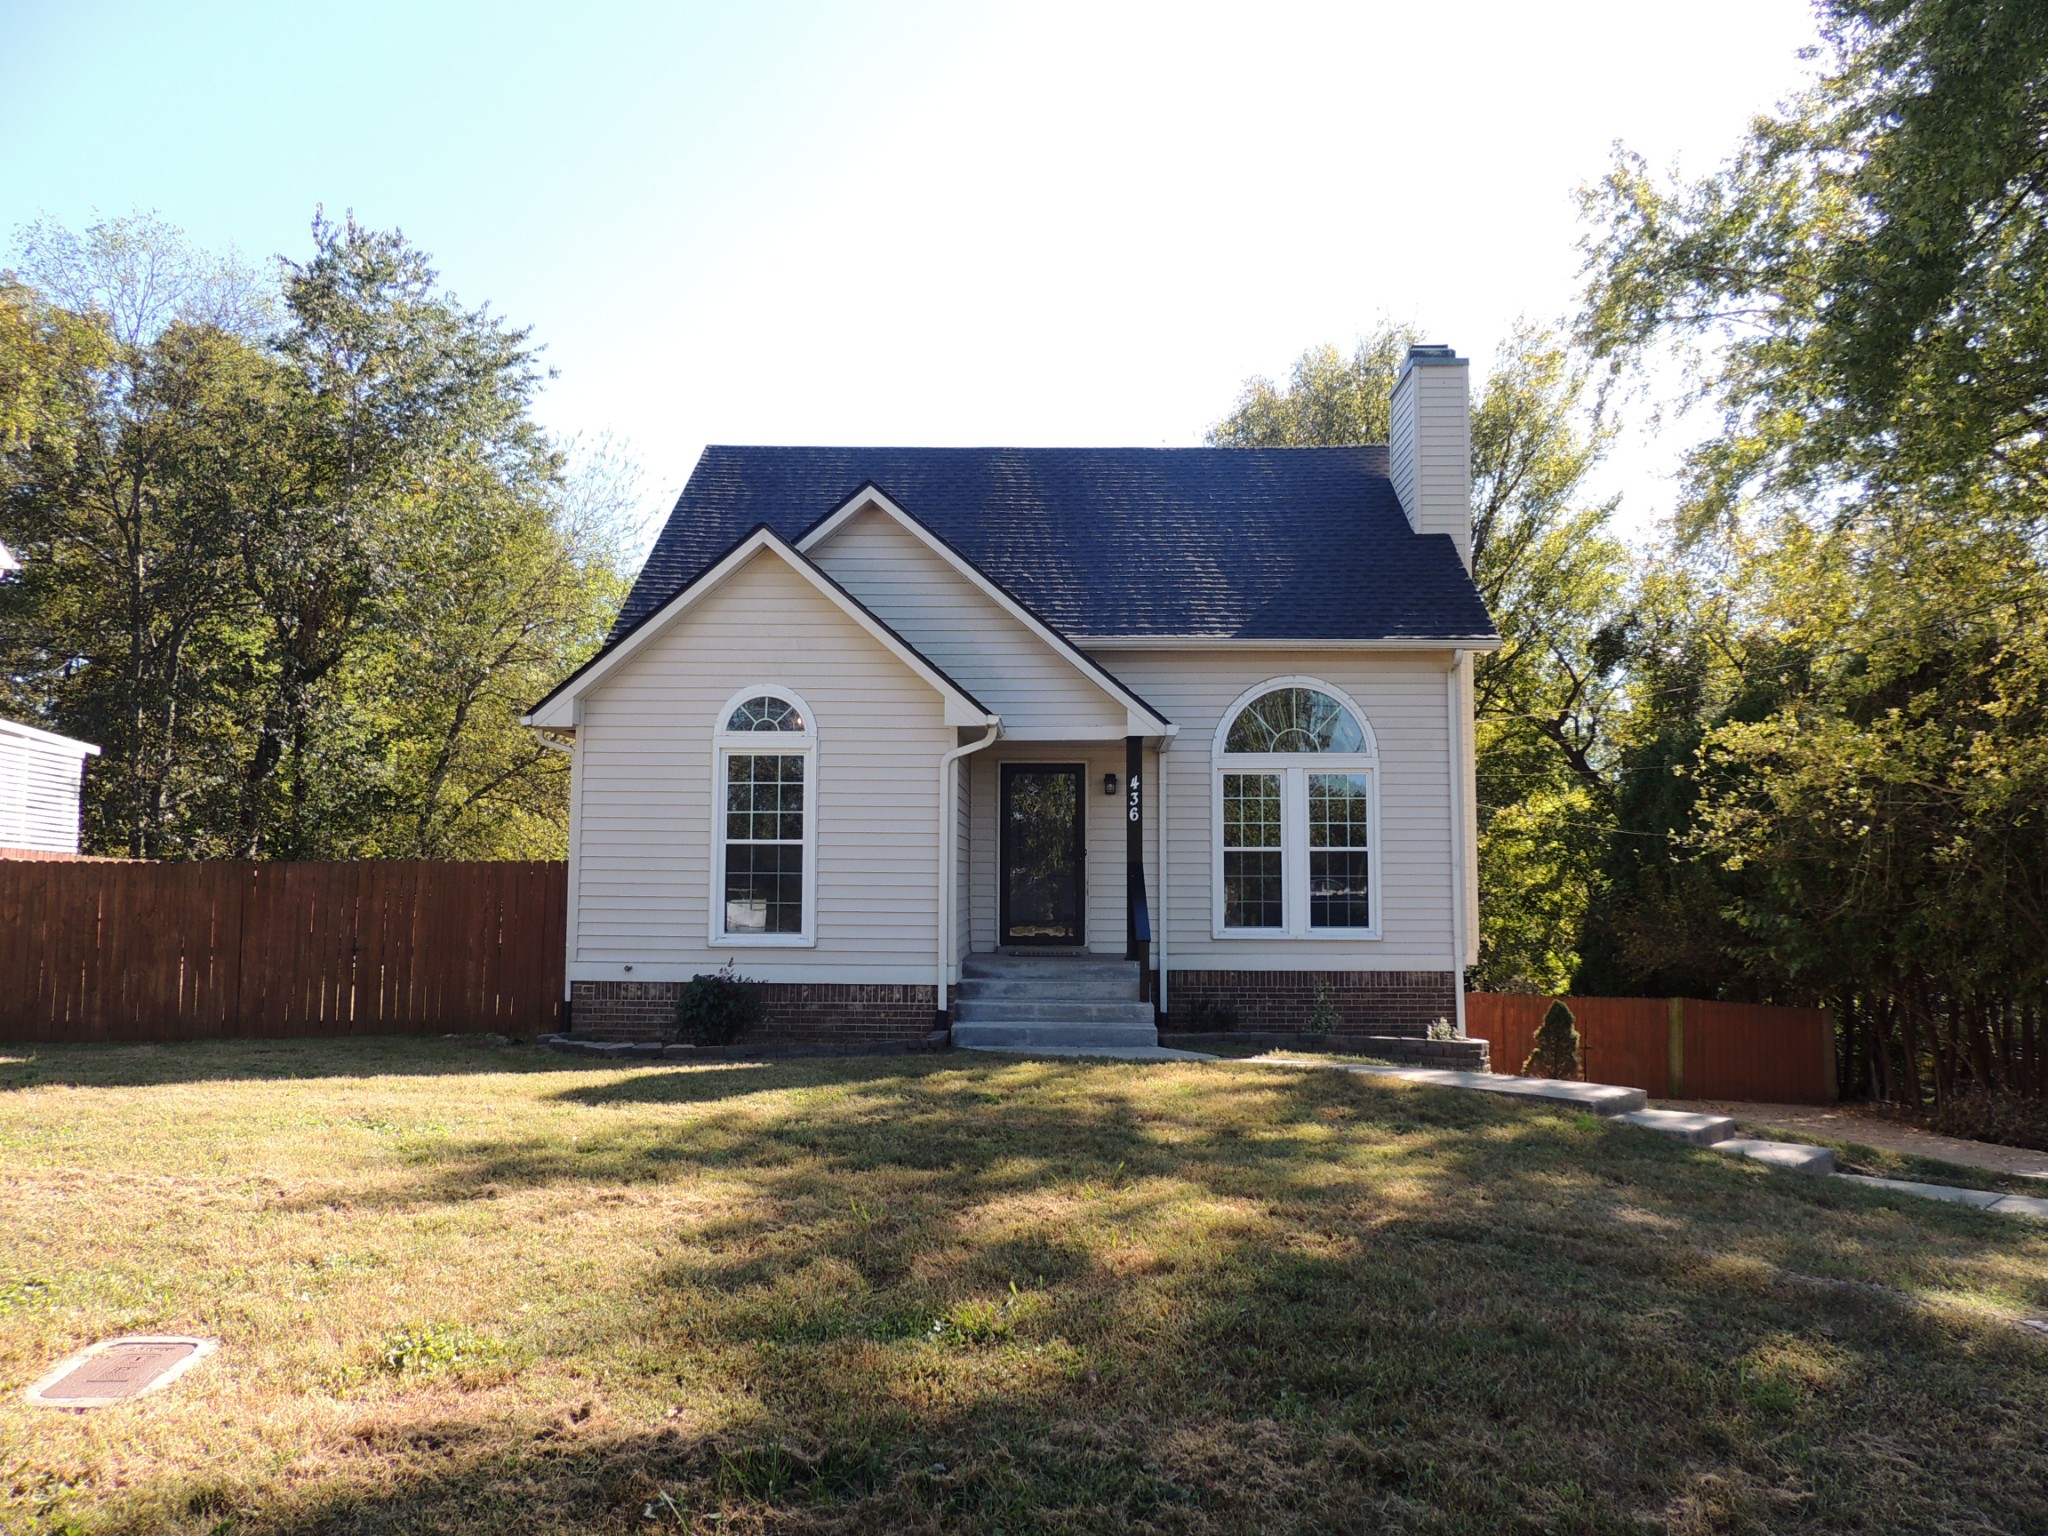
{"x":1297,"y":797}
{"x":764,"y":883}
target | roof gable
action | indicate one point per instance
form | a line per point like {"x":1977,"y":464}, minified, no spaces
{"x":559,"y":709}
{"x":1279,"y":544}
{"x":937,"y":599}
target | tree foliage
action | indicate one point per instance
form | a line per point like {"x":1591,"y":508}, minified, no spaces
{"x":1842,"y":732}
{"x":294,"y":553}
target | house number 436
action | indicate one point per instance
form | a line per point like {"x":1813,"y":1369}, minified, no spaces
{"x":1134,"y":797}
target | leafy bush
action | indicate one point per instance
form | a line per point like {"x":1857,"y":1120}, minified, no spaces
{"x":1556,"y":1052}
{"x":1443,"y":1029}
{"x":717,"y":1009}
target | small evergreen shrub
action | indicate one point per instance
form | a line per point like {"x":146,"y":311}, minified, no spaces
{"x":1443,"y":1029}
{"x":1322,"y":1016}
{"x":717,"y":1009}
{"x":1556,"y":1051}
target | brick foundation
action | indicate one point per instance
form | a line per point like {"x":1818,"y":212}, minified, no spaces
{"x":812,"y":1012}
{"x":1366,"y":1002}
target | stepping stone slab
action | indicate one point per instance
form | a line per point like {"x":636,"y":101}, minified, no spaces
{"x":1981,"y":1199}
{"x":1600,"y":1098}
{"x":1794,"y":1155}
{"x":1700,"y":1130}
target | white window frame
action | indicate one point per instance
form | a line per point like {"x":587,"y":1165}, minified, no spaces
{"x":1293,"y":769}
{"x":726,"y":744}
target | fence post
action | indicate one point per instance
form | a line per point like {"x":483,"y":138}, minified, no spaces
{"x":1830,"y":1087}
{"x":1674,"y":1048}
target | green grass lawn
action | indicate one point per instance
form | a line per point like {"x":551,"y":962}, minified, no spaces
{"x":492,"y":1291}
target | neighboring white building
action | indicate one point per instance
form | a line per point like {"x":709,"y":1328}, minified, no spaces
{"x":40,"y":777}
{"x":872,"y":717}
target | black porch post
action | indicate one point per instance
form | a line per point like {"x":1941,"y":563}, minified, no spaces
{"x":1137,"y":916}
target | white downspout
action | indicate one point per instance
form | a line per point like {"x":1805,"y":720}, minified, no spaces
{"x":948,"y":825}
{"x":1456,"y":741}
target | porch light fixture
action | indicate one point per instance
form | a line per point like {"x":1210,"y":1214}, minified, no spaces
{"x":1109,"y":785}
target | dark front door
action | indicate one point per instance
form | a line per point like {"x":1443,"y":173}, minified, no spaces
{"x":1042,"y":850}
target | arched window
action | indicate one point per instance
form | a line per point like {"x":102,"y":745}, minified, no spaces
{"x":1297,"y":815}
{"x":766,"y":712}
{"x":763,"y":886}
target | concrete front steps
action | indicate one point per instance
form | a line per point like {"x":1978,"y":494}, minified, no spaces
{"x":1062,"y":1002}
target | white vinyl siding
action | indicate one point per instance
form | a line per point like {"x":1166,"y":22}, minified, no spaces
{"x":40,"y":775}
{"x":962,"y":630}
{"x":1429,"y":451}
{"x":644,"y":780}
{"x":1402,"y":695}
{"x":963,"y":868}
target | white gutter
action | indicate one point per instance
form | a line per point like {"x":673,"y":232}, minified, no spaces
{"x":1456,"y":741}
{"x":1226,"y":643}
{"x":948,"y":825}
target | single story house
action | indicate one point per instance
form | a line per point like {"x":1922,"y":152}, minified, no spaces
{"x":41,"y":774}
{"x":1040,"y":743}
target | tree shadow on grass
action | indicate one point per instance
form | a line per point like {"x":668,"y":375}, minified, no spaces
{"x":144,"y":1064}
{"x":1030,"y":1296}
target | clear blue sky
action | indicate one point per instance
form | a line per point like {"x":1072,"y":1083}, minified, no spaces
{"x":906,"y":222}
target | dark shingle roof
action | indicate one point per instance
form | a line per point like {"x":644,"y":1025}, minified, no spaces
{"x":1244,"y":543}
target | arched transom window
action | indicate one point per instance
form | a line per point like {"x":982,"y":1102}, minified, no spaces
{"x":763,"y":885}
{"x":766,"y":712}
{"x":1297,"y":813}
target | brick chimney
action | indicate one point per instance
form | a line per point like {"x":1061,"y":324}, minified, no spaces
{"x":1429,"y":444}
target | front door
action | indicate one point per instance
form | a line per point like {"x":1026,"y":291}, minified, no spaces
{"x":1042,"y":848}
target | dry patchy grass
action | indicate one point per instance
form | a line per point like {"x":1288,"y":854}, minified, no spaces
{"x":491,"y":1291}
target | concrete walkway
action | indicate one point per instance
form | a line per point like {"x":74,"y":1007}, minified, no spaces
{"x":1836,"y":1123}
{"x":1694,"y":1123}
{"x":1600,"y":1098}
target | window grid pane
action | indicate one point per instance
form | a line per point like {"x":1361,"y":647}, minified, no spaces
{"x":1339,"y":892}
{"x":764,"y":798}
{"x":764,"y":888}
{"x":1252,"y":891}
{"x":764,"y":855}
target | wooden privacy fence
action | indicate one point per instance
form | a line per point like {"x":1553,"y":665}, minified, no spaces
{"x":1676,"y":1047}
{"x":136,"y":951}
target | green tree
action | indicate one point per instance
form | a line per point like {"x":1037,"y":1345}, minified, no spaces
{"x":1329,"y":400}
{"x":114,"y":626}
{"x":301,"y":556}
{"x":1553,"y":578}
{"x":1555,"y":1050}
{"x":1863,"y":290}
